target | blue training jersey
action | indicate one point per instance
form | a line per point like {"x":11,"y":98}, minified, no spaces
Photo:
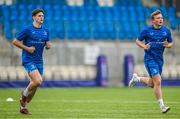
{"x":32,"y":36}
{"x":155,"y":38}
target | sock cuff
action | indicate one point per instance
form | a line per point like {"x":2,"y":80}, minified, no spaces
{"x":160,"y":100}
{"x":25,"y":92}
{"x":139,"y":78}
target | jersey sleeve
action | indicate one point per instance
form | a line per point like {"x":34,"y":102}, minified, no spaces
{"x":22,"y":35}
{"x":142,"y":35}
{"x":169,"y":37}
{"x":47,"y":35}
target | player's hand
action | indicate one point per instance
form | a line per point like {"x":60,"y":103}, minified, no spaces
{"x":31,"y":49}
{"x":166,"y":44}
{"x":48,"y":45}
{"x":147,"y":46}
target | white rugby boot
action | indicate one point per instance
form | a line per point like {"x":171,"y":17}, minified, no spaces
{"x":134,"y":79}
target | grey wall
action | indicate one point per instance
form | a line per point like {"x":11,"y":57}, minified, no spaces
{"x":72,"y":53}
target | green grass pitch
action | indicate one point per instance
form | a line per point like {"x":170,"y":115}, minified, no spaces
{"x":92,"y":103}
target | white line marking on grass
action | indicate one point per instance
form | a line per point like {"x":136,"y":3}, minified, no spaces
{"x":91,"y":111}
{"x":104,"y":101}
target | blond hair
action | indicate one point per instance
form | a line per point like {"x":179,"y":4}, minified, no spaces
{"x":155,"y":13}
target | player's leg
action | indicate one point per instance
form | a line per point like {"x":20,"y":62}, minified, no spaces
{"x":157,"y":86}
{"x":146,"y":80}
{"x":40,"y":74}
{"x":158,"y":93}
{"x":28,"y":93}
{"x":155,"y":72}
{"x":31,"y":95}
{"x":35,"y":82}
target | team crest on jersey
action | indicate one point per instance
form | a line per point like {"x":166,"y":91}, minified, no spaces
{"x":33,"y":32}
{"x":151,"y":33}
{"x":164,"y":34}
{"x":45,"y":33}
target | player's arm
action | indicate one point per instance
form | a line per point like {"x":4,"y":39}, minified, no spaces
{"x":142,"y":44}
{"x":48,"y":45}
{"x":19,"y":44}
{"x":167,"y":44}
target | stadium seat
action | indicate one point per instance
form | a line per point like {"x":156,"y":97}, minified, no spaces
{"x":140,"y":70}
{"x":141,"y":15}
{"x":134,"y":29}
{"x":147,"y":12}
{"x":65,"y":73}
{"x":164,"y":11}
{"x":82,"y":72}
{"x":90,"y":10}
{"x":66,"y":13}
{"x":178,"y":71}
{"x":3,"y":75}
{"x":20,"y":72}
{"x":74,"y":73}
{"x":173,"y":72}
{"x":14,"y":12}
{"x":116,"y":13}
{"x":91,"y":72}
{"x":48,"y":74}
{"x":83,"y":15}
{"x":58,"y":14}
{"x":99,"y":13}
{"x":74,"y":13}
{"x":56,"y":73}
{"x":165,"y":73}
{"x":132,"y":13}
{"x":124,"y":14}
{"x":85,"y":29}
{"x":7,"y":73}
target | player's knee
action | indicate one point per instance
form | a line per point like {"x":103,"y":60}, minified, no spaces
{"x":157,"y":80}
{"x":151,"y":85}
{"x":38,"y":83}
{"x":157,"y":83}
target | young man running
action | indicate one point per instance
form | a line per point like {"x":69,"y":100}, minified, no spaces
{"x":32,"y":40}
{"x":156,"y":38}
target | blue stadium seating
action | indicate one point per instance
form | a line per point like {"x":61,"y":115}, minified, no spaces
{"x":90,"y":10}
{"x":122,"y":21}
{"x":1,"y":17}
{"x":141,"y":14}
{"x":116,"y":13}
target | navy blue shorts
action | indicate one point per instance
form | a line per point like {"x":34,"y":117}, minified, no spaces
{"x":29,"y":67}
{"x":154,"y":67}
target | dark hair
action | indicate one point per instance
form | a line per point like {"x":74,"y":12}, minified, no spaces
{"x":35,"y":11}
{"x":155,"y":13}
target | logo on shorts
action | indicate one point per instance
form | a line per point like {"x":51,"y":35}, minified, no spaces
{"x":154,"y":70}
{"x":32,"y":67}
